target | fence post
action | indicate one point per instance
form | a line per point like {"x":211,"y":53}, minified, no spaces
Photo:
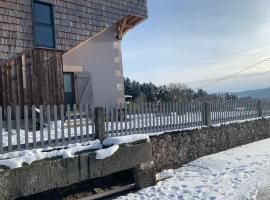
{"x":100,"y":123}
{"x":259,"y":108}
{"x":206,"y":114}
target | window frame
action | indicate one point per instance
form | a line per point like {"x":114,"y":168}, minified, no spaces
{"x":35,"y":23}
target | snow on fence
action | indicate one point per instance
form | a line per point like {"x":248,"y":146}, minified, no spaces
{"x":53,"y":126}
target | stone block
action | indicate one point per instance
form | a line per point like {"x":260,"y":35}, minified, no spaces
{"x":145,"y":175}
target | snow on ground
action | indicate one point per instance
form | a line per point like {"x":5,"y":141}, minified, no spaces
{"x":125,"y":139}
{"x":237,"y":174}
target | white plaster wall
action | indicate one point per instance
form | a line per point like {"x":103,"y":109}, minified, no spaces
{"x":101,"y":56}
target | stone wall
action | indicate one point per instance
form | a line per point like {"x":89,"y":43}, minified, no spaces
{"x":172,"y":150}
{"x":75,"y":21}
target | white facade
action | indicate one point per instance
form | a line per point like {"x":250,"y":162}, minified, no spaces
{"x":101,"y":57}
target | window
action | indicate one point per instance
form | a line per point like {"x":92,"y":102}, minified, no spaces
{"x":43,"y":25}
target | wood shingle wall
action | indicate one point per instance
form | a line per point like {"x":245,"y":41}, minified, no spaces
{"x":75,"y":21}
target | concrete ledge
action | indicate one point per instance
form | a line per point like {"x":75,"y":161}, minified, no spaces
{"x":46,"y":175}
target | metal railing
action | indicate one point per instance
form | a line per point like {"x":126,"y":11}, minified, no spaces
{"x":58,"y":125}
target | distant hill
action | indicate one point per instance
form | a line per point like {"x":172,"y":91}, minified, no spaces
{"x":256,"y":94}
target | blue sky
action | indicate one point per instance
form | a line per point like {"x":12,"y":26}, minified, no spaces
{"x":197,"y":41}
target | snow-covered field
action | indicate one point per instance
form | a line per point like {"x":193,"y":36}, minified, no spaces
{"x":241,"y":173}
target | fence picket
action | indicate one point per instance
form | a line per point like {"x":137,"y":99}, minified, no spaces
{"x":68,"y":123}
{"x":190,"y":104}
{"x":93,"y":123}
{"x":154,"y":117}
{"x":180,"y":113}
{"x":26,"y":129}
{"x":138,"y":118}
{"x":150,"y":117}
{"x":49,"y":124}
{"x":134,"y":118}
{"x":116,"y":119}
{"x":1,"y":131}
{"x":75,"y":122}
{"x":146,"y":117}
{"x":166,"y":105}
{"x":34,"y":124}
{"x":107,"y":120}
{"x":158,"y":113}
{"x":121,"y":119}
{"x":9,"y":128}
{"x":213,"y":112}
{"x":194,"y":114}
{"x":164,"y":116}
{"x":41,"y":122}
{"x":199,"y":114}
{"x":129,"y":119}
{"x":177,"y":115}
{"x":142,"y":113}
{"x":86,"y":110}
{"x":18,"y":126}
{"x":223,"y":110}
{"x":55,"y":124}
{"x":157,"y":117}
{"x":219,"y":111}
{"x":186,"y":115}
{"x":81,"y":123}
{"x":62,"y":124}
{"x":112,"y":120}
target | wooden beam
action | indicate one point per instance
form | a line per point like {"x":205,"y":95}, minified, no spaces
{"x":122,"y":27}
{"x":126,"y":24}
{"x":67,"y":68}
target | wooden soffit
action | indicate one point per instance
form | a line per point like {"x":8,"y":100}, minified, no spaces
{"x":129,"y":22}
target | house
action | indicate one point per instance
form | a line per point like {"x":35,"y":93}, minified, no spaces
{"x":64,"y":51}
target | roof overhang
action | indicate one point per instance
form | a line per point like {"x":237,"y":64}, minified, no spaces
{"x":127,"y":23}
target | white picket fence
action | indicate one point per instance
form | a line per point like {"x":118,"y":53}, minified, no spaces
{"x":162,"y":117}
{"x":58,"y":125}
{"x":39,"y":127}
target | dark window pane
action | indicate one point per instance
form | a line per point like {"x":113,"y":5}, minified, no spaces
{"x":43,"y":13}
{"x":44,"y":36}
{"x":68,"y":83}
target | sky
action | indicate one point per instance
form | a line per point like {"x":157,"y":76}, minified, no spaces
{"x":199,"y":42}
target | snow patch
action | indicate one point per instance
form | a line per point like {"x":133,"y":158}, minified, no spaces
{"x":236,"y":122}
{"x":105,"y":153}
{"x":165,"y":174}
{"x":125,"y":139}
{"x":17,"y":159}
